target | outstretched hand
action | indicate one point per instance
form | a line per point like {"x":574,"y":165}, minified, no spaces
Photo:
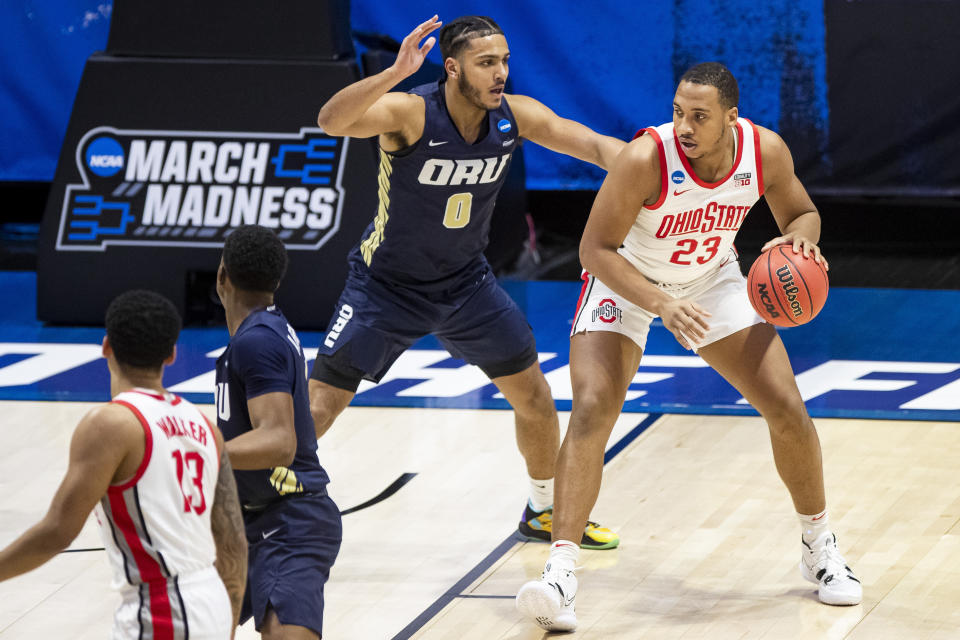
{"x":686,"y":320}
{"x":411,"y":54}
{"x":800,"y":243}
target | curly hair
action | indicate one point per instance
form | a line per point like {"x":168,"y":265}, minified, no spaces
{"x":142,"y":327}
{"x":716,"y":75}
{"x":255,"y":259}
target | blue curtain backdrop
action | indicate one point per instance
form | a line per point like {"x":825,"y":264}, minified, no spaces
{"x":613,"y":65}
{"x":43,"y":46}
{"x":610,"y":65}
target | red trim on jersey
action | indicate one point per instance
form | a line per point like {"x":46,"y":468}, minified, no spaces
{"x":216,"y":444}
{"x":756,"y":152}
{"x":710,"y":185}
{"x":161,"y":614}
{"x":661,"y":152}
{"x":172,"y":398}
{"x":586,"y":280}
{"x":145,"y":392}
{"x":147,"y":448}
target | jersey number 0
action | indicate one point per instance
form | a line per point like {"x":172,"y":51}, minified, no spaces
{"x":457,"y":214}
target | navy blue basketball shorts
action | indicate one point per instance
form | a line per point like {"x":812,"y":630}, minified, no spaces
{"x":293,"y":543}
{"x":375,"y":322}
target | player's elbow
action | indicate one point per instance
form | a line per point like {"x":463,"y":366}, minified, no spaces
{"x":323,"y":121}
{"x":286,"y":450}
{"x":589,"y":257}
{"x":327,"y":122}
{"x":55,"y":535}
{"x":277,"y":450}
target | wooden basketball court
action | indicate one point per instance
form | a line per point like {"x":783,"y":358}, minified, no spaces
{"x":710,"y":542}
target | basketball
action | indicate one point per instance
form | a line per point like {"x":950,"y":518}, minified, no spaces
{"x":786,"y":288}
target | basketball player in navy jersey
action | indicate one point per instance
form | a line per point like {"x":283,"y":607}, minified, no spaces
{"x":719,"y":165}
{"x":419,"y":267}
{"x":293,"y":527}
{"x":165,"y":497}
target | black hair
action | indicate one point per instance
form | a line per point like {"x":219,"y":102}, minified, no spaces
{"x":456,"y":35}
{"x":255,"y":259}
{"x":716,"y":75}
{"x":142,"y":327}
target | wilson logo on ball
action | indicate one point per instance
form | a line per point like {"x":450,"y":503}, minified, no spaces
{"x":790,"y":289}
{"x":786,"y":288}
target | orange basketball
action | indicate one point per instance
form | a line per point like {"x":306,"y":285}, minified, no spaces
{"x":785,"y":288}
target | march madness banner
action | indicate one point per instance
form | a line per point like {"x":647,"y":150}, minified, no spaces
{"x":190,"y":188}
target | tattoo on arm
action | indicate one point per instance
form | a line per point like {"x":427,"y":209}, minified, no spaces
{"x":229,"y":536}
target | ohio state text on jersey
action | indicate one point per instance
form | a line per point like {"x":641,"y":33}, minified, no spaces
{"x":689,"y":231}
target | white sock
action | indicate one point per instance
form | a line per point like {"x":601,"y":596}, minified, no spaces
{"x":814,"y":526}
{"x":541,"y":494}
{"x":563,"y":555}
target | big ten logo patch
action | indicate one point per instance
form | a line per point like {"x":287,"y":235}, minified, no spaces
{"x":608,"y":311}
{"x":742,"y":179}
{"x":191,"y":188}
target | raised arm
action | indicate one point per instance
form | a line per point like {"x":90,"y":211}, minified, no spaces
{"x":228,"y":533}
{"x":538,"y":123}
{"x":633,"y":180}
{"x":364,"y":109}
{"x":796,"y":215}
{"x":107,"y":443}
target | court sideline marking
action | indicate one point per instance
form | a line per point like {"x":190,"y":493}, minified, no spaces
{"x":456,"y":590}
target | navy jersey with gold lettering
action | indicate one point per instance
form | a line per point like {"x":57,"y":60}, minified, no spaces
{"x":436,"y":199}
{"x":264,"y":356}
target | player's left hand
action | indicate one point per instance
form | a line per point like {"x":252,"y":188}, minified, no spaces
{"x":800,"y":244}
{"x":411,"y":55}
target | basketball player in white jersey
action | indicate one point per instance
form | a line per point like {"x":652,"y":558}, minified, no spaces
{"x":659,"y":243}
{"x":156,"y":473}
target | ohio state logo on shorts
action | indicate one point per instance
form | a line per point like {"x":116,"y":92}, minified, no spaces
{"x":608,"y":311}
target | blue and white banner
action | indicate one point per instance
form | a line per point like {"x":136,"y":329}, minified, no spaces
{"x":861,"y":357}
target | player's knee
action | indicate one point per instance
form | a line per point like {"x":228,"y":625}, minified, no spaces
{"x":788,"y":418}
{"x":594,"y":411}
{"x":541,"y":397}
{"x":321,"y":417}
{"x":533,"y":399}
{"x":324,"y":407}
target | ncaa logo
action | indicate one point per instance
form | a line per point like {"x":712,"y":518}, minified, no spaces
{"x":677,"y":177}
{"x":105,"y":156}
{"x":504,"y":125}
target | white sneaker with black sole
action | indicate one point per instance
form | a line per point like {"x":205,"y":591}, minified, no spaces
{"x":549,"y":600}
{"x":822,"y":564}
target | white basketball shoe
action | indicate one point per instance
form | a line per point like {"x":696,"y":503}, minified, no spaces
{"x":822,"y":564}
{"x":549,"y":600}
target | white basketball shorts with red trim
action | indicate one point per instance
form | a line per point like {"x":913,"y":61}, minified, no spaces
{"x":723,"y":293}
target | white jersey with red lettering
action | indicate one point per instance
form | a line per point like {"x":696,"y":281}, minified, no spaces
{"x":156,"y":526}
{"x":689,"y":231}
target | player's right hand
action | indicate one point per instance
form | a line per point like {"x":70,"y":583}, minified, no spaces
{"x":411,"y":54}
{"x":686,"y":320}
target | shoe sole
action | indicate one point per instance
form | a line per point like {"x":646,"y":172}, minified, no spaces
{"x":829,"y":598}
{"x":534,"y":535}
{"x":538,"y":602}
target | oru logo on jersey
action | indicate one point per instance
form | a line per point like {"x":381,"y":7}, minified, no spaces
{"x":190,"y":188}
